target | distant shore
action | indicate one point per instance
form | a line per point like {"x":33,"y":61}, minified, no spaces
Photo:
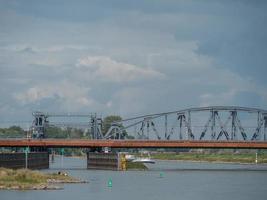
{"x":235,"y":158}
{"x":248,"y":158}
{"x":23,"y":179}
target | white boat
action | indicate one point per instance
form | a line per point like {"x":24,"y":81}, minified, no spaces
{"x":129,"y":157}
{"x":143,"y":160}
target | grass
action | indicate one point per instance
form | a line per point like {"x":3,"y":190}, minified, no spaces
{"x":213,"y":157}
{"x":27,"y":179}
{"x":135,"y":166}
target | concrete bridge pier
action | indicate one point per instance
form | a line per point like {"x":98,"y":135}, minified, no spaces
{"x":31,"y":160}
{"x":104,"y":161}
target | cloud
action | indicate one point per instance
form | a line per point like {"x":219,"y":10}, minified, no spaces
{"x":70,"y":95}
{"x":232,"y":89}
{"x":106,"y":69}
{"x":132,"y":60}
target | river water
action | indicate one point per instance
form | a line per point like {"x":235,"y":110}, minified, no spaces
{"x":166,"y":180}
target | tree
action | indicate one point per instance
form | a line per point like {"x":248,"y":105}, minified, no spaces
{"x":12,"y":132}
{"x":55,"y":132}
{"x":68,"y":132}
{"x":107,"y":122}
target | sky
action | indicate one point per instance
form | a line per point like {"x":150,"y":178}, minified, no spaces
{"x":130,"y":57}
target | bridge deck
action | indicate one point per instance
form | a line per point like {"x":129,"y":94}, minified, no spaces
{"x":76,"y":143}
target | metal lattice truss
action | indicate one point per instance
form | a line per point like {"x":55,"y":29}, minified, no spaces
{"x":210,"y":123}
{"x":44,"y":120}
{"x":206,"y":123}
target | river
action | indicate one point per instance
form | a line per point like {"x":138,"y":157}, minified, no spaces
{"x":166,"y":180}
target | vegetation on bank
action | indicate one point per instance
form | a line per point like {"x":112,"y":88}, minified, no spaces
{"x":23,"y":179}
{"x":12,"y":132}
{"x":135,"y":166}
{"x":213,"y":157}
{"x":64,"y":132}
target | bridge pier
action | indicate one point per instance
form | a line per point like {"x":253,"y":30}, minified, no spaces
{"x":104,"y":161}
{"x":17,"y":160}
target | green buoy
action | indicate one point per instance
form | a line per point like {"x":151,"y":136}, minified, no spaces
{"x":161,"y":175}
{"x":110,"y":182}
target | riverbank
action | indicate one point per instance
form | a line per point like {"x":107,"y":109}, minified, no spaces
{"x":23,"y":179}
{"x":212,"y":157}
{"x":135,"y":166}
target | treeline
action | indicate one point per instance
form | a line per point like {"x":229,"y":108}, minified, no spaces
{"x":50,"y":132}
{"x":57,"y":132}
{"x":13,"y":132}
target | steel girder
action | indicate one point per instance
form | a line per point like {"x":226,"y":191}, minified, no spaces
{"x":234,"y":131}
{"x":158,"y":126}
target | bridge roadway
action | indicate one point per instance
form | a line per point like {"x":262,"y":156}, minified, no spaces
{"x":82,"y":143}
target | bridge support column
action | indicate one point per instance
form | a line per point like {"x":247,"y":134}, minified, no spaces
{"x":259,"y":125}
{"x":166,"y":126}
{"x":39,"y":124}
{"x":33,"y":160}
{"x":180,"y":118}
{"x":142,"y":136}
{"x":265,"y":127}
{"x":106,"y":161}
{"x":189,"y":129}
{"x":233,"y":132}
{"x":213,"y":123}
{"x":147,"y":129}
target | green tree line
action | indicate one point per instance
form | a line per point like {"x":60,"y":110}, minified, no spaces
{"x":12,"y":132}
{"x":57,"y":132}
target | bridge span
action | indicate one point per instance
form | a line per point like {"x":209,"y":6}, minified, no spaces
{"x":215,"y":123}
{"x":82,"y":143}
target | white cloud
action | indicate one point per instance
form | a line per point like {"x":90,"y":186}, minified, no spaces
{"x":125,"y":50}
{"x":106,"y":69}
{"x":69,"y":94}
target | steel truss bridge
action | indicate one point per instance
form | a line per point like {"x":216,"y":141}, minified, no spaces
{"x":205,"y":123}
{"x":204,"y":127}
